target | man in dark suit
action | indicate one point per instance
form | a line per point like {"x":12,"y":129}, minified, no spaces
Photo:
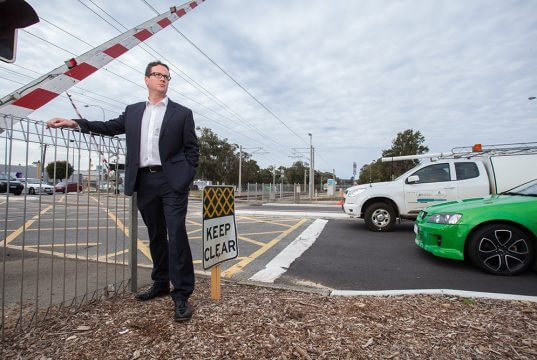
{"x":162,"y":157}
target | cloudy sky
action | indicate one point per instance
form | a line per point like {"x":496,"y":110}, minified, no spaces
{"x":351,"y":73}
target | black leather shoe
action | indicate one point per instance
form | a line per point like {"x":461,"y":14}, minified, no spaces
{"x":183,"y":311}
{"x":153,"y":292}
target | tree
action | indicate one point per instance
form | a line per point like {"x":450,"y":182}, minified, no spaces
{"x":408,"y":142}
{"x":218,"y":161}
{"x":295,"y":173}
{"x":63,"y":170}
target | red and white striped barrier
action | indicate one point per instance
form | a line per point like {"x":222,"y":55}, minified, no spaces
{"x":39,"y":92}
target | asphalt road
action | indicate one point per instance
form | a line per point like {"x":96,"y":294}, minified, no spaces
{"x":347,"y":256}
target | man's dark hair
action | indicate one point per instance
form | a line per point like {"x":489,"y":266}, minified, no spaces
{"x":154,"y":63}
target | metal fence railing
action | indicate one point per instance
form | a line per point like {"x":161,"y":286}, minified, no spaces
{"x":63,"y":245}
{"x":274,"y":192}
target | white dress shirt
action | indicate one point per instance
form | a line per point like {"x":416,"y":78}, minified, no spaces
{"x":150,"y":132}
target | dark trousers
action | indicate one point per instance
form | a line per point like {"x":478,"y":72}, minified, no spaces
{"x":164,"y":212}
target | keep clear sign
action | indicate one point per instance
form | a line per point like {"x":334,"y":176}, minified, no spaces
{"x":219,"y":228}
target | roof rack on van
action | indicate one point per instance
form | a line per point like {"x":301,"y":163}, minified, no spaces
{"x":472,"y":151}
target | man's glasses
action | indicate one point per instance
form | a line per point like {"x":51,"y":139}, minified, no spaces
{"x":160,"y":76}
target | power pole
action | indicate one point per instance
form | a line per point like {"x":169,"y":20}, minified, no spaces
{"x":310,"y":191}
{"x":240,"y":170}
{"x":274,"y":177}
{"x":304,"y":179}
{"x":312,"y":171}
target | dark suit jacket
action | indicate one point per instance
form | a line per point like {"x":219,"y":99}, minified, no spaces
{"x":178,"y":144}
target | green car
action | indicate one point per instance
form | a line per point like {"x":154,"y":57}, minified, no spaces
{"x":498,"y":233}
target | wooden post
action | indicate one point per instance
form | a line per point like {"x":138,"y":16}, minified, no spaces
{"x":215,"y":282}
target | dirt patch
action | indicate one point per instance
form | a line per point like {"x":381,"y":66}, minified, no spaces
{"x":261,"y":323}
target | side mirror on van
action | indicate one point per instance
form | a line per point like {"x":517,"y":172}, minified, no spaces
{"x":413,"y":179}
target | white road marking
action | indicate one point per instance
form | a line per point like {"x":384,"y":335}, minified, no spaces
{"x":329,"y":205}
{"x":308,"y":214}
{"x":279,"y":265}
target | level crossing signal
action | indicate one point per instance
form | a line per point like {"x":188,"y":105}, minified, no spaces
{"x":14,"y":14}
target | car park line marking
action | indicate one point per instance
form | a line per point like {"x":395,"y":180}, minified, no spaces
{"x":263,"y":221}
{"x":62,"y":245}
{"x":192,"y":222}
{"x":258,"y":220}
{"x":450,"y":292}
{"x":198,"y":262}
{"x":193,"y":231}
{"x":248,"y":259}
{"x":144,"y":249}
{"x":79,"y":257}
{"x":281,"y":262}
{"x":269,"y":218}
{"x":244,"y":238}
{"x":69,"y":228}
{"x":264,"y":232}
{"x":124,"y":251}
{"x":22,"y":228}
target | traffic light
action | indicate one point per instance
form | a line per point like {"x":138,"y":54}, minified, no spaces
{"x":14,"y":14}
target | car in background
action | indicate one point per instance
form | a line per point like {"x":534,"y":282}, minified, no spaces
{"x":15,"y":186}
{"x":498,"y":233}
{"x":70,"y":187}
{"x":35,"y":186}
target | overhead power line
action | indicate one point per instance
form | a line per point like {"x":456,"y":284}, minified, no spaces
{"x":230,"y":77}
{"x":190,"y":81}
{"x":126,"y":79}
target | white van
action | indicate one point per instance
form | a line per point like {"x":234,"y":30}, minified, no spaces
{"x":444,"y":179}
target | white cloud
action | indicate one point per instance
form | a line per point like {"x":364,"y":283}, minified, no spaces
{"x":352,"y":73}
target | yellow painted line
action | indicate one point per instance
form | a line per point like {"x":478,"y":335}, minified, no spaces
{"x":193,"y":231}
{"x":62,"y":245}
{"x":117,"y":253}
{"x":267,"y":218}
{"x":241,"y":264}
{"x":265,"y":232}
{"x":28,"y":223}
{"x":70,"y":228}
{"x":266,"y":221}
{"x":141,"y":246}
{"x":244,"y":238}
{"x":78,"y":257}
{"x":192,"y":222}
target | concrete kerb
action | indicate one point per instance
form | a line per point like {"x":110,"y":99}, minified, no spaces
{"x":442,"y":292}
{"x":381,"y":293}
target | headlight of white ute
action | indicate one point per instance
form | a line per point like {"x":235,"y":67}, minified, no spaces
{"x":445,"y":218}
{"x":355,"y":192}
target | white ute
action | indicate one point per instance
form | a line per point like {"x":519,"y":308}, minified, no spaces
{"x":460,"y":174}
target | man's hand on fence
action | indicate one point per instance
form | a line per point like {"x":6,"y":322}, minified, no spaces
{"x":61,"y":122}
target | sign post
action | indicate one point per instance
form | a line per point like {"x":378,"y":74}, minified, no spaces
{"x":219,"y":231}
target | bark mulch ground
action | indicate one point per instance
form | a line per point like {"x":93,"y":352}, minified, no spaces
{"x":253,"y":322}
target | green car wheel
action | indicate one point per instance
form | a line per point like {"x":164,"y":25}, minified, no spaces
{"x":501,"y":249}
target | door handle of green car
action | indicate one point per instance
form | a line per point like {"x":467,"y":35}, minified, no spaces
{"x":449,"y":188}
